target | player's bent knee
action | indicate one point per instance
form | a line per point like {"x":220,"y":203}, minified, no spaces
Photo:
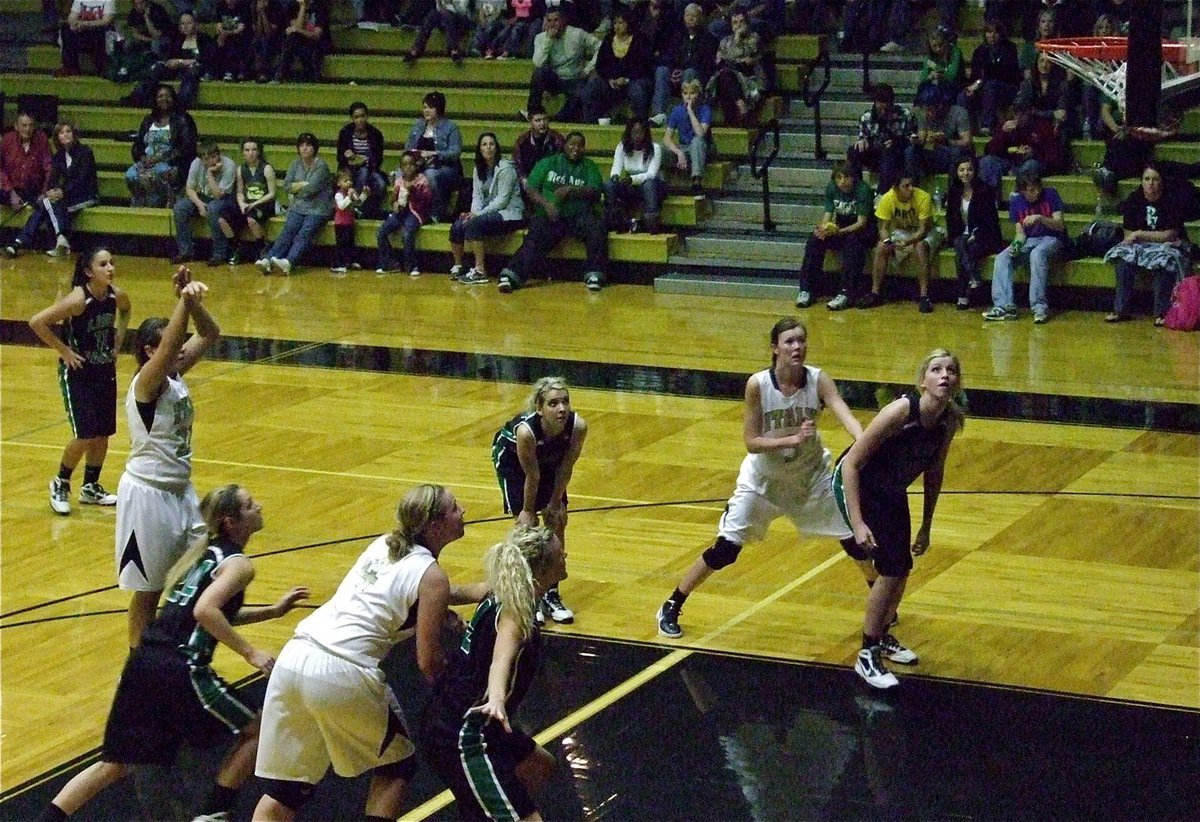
{"x":722,"y":554}
{"x":288,"y":793}
{"x":403,"y":770}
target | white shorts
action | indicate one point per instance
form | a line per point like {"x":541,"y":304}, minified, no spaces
{"x":756,"y":504}
{"x":934,"y":239}
{"x":322,"y":710}
{"x":154,"y":528}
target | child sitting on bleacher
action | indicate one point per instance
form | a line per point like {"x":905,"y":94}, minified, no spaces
{"x":412,"y":206}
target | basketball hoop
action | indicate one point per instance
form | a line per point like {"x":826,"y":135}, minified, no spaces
{"x":1101,"y":62}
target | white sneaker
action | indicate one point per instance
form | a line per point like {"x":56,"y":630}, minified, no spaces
{"x":869,"y":666}
{"x":658,"y":119}
{"x":893,"y":650}
{"x":473,"y":277}
{"x":60,"y":496}
{"x":93,"y":493}
{"x":804,"y":299}
{"x":338,"y":269}
{"x":283,"y":264}
{"x":62,"y":248}
{"x":553,"y":605}
{"x":839,"y":303}
{"x":263,"y":265}
{"x":456,"y":272}
{"x":416,"y":272}
{"x":891,"y":47}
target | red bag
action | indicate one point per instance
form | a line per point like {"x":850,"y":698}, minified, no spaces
{"x":1184,"y":313}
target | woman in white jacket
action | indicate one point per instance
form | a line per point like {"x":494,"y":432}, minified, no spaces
{"x":496,"y":209}
{"x":635,"y":178}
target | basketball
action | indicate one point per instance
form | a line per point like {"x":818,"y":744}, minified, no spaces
{"x":829,"y":228}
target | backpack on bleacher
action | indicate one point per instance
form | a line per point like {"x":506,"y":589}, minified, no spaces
{"x":1096,"y":239}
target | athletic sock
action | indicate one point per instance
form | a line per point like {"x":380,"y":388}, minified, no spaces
{"x":678,"y":597}
{"x":91,"y":473}
{"x":220,"y":799}
{"x":870,"y":641}
{"x":64,"y":473}
{"x":52,"y":813}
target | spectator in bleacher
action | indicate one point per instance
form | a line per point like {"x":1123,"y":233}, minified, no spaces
{"x":995,"y":77}
{"x":563,"y":57}
{"x":943,"y":137}
{"x":163,"y":150}
{"x":1075,"y":17}
{"x":187,"y":55}
{"x":942,"y":69}
{"x":306,"y":38}
{"x":845,"y":227}
{"x":235,"y":26}
{"x":497,"y":209}
{"x":657,"y":22}
{"x":739,"y":77}
{"x":346,"y":202}
{"x":412,"y":203}
{"x":884,"y":25}
{"x":24,"y":163}
{"x":1047,"y":29}
{"x":266,"y":37}
{"x":147,"y":27}
{"x":255,"y":197}
{"x":1096,"y":124}
{"x":565,"y":189}
{"x":765,"y":18}
{"x":360,"y":151}
{"x":686,"y":135}
{"x":71,"y":187}
{"x":905,"y":219}
{"x":1153,"y":218}
{"x":1026,"y":144}
{"x":691,"y":55}
{"x":84,"y":32}
{"x":1050,"y":94}
{"x":437,"y":143}
{"x":208,"y":193}
{"x":624,"y":66}
{"x":310,"y":184}
{"x":535,"y":145}
{"x":490,"y":19}
{"x":1118,"y":10}
{"x":522,"y":20}
{"x":1037,"y":213}
{"x":973,"y":226}
{"x":453,"y":17}
{"x":636,"y":179}
{"x":884,"y":132}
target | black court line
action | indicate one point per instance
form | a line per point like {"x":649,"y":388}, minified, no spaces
{"x":991,"y":404}
{"x":577,"y":511}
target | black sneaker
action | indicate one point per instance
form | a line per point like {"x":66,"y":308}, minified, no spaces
{"x":925,"y":305}
{"x":869,"y":300}
{"x":668,"y":620}
{"x":893,"y":650}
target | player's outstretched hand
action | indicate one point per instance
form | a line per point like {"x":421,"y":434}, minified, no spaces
{"x":181,"y":277}
{"x":290,"y":600}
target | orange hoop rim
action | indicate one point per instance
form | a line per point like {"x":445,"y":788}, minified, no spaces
{"x":1107,"y":48}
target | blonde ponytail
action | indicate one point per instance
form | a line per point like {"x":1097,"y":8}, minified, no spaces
{"x":510,"y":566}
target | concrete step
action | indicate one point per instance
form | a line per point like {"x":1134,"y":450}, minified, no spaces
{"x":718,"y":283}
{"x":788,"y":179}
{"x":780,"y":248}
{"x":728,"y":212}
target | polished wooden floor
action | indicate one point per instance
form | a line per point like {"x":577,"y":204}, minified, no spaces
{"x":1065,"y":555}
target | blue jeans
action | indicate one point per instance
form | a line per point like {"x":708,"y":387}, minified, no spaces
{"x":185,"y":210}
{"x":364,"y":178}
{"x":297,"y":234}
{"x":545,"y":80}
{"x":444,"y":180}
{"x":663,"y":87}
{"x":992,"y":168}
{"x":599,"y":98}
{"x":621,"y":195}
{"x":1041,"y":253}
{"x":1162,"y":279}
{"x":407,"y":224}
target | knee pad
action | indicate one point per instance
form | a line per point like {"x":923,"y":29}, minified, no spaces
{"x":405,"y":769}
{"x":288,"y":792}
{"x":722,"y":553}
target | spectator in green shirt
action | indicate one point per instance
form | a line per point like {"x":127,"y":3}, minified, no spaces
{"x":846,"y":228}
{"x":565,"y":190}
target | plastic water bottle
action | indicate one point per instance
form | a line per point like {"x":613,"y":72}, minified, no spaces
{"x":937,"y":198}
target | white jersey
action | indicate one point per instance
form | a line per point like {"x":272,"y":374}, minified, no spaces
{"x":782,"y":417}
{"x":161,"y":456}
{"x":374,"y":608}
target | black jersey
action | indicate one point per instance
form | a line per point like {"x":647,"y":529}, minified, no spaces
{"x":254,"y":182}
{"x":904,"y":457}
{"x":550,"y":450}
{"x":465,"y":681}
{"x":93,"y":334}
{"x":176,"y":627}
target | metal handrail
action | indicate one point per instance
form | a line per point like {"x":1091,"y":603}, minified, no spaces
{"x":762,"y":171}
{"x":812,"y":99}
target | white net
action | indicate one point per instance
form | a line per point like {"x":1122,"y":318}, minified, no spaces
{"x":1109,"y":75}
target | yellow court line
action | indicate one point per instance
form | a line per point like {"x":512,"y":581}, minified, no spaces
{"x":581,"y":715}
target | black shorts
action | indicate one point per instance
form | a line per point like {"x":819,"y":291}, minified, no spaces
{"x":162,"y":702}
{"x":90,"y":397}
{"x":512,"y":489}
{"x":478,"y":762}
{"x":886,"y":514}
